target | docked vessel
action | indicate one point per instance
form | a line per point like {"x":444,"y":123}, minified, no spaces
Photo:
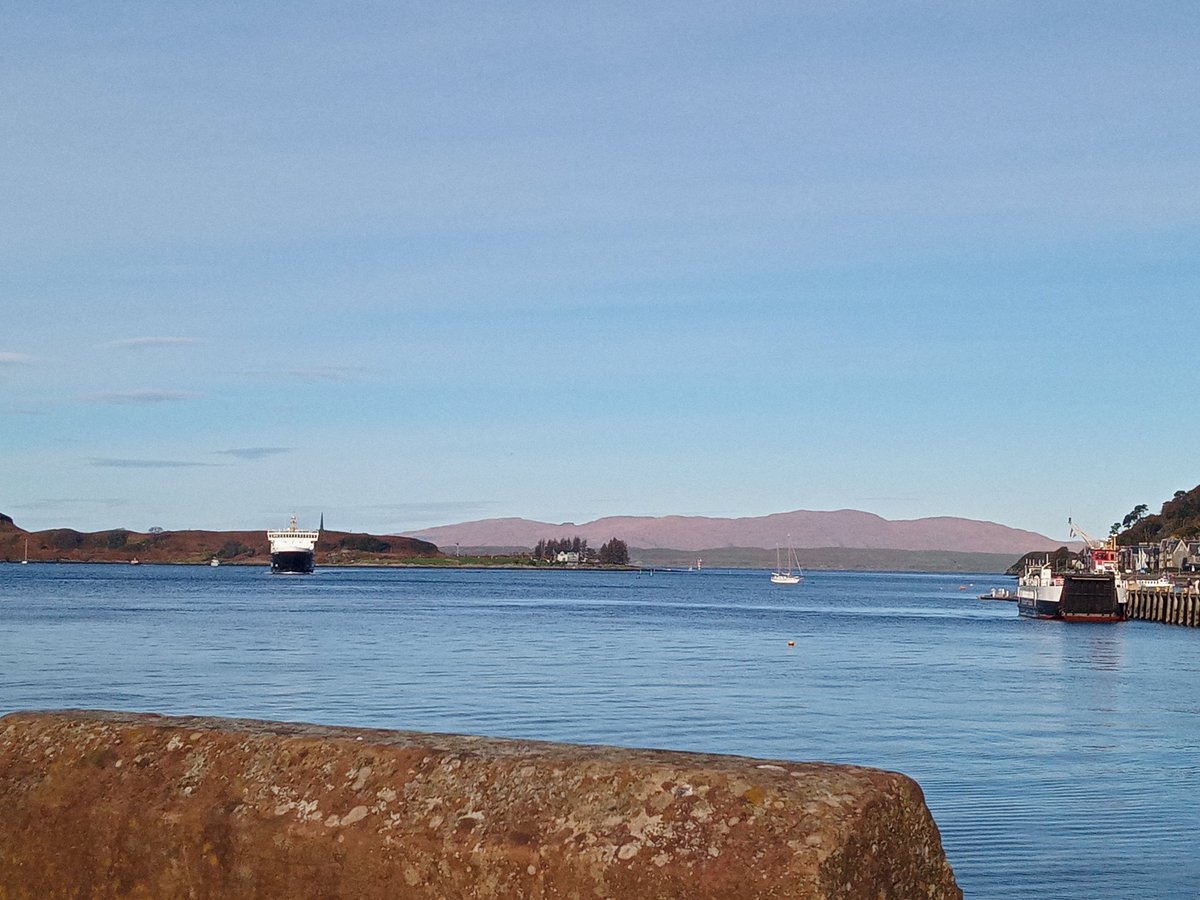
{"x":1095,"y":594}
{"x":292,"y":550}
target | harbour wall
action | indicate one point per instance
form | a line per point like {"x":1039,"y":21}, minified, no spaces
{"x":105,"y":805}
{"x":1171,"y":607}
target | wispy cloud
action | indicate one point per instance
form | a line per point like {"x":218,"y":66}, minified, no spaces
{"x":118,"y":463}
{"x":67,"y":502}
{"x":254,"y":452}
{"x":14,"y":359}
{"x":310,"y":373}
{"x":150,"y":342}
{"x":133,"y":398}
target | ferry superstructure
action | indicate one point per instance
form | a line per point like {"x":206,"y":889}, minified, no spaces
{"x":292,"y":550}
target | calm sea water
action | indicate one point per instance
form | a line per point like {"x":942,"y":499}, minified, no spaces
{"x":1060,"y":761}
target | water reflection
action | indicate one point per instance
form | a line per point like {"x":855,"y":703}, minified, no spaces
{"x":1097,"y":646}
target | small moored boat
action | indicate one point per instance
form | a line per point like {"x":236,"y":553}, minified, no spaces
{"x":789,"y":573}
{"x":999,"y":594}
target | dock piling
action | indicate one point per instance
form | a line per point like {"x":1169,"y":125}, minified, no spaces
{"x":1175,"y":607}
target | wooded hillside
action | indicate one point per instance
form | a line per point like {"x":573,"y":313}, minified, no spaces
{"x":1179,"y":517}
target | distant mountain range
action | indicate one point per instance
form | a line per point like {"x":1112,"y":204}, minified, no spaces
{"x":844,"y":539}
{"x":844,"y":528}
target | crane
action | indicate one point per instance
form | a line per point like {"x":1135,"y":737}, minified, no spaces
{"x":1103,"y":553}
{"x":1078,"y":532}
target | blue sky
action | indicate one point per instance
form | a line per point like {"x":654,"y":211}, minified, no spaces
{"x":410,"y":264}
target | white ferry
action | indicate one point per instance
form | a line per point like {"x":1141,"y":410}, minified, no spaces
{"x":292,"y":550}
{"x":1094,"y":595}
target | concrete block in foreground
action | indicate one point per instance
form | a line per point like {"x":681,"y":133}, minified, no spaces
{"x":102,"y":804}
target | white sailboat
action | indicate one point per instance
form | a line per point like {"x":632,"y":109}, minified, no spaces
{"x":25,"y":558}
{"x":789,"y":572}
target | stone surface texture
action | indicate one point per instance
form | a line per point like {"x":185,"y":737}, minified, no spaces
{"x":101,"y":804}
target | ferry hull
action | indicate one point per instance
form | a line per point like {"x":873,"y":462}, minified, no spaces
{"x":1094,"y":617}
{"x":292,"y":562}
{"x":1036,"y":608}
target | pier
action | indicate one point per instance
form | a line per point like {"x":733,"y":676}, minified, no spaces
{"x":1168,"y":606}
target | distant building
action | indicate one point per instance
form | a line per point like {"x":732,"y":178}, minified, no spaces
{"x":567,"y":556}
{"x":1166,"y":554}
{"x":1175,"y":553}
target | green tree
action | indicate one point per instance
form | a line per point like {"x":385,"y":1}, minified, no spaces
{"x":1136,"y":515}
{"x":614,"y":552}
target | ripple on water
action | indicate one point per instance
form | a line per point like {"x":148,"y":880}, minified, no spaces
{"x":1058,"y":761}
